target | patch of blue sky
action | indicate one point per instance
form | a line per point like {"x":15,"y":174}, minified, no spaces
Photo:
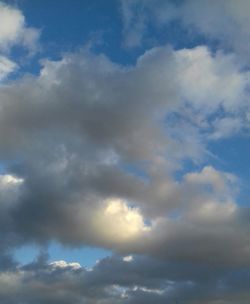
{"x":26,"y":254}
{"x":85,"y":256}
{"x":187,"y":165}
{"x":2,"y":167}
{"x":63,"y":29}
{"x":76,"y":24}
{"x":233,"y":156}
{"x":175,"y":34}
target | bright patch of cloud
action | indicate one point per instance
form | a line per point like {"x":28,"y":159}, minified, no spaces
{"x":128,"y":258}
{"x":62,"y":265}
{"x":9,"y":190}
{"x":13,"y":30}
{"x":120,"y":223}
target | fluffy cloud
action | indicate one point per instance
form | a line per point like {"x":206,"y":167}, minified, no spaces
{"x":14,"y":30}
{"x":93,"y":144}
{"x":209,"y":81}
{"x":119,"y":222}
{"x":91,"y":150}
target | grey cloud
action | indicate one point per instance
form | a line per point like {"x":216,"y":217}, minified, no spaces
{"x":90,"y":159}
{"x":90,"y":151}
{"x":70,"y":133}
{"x":114,"y":280}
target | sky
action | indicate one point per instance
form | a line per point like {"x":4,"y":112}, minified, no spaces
{"x":124,"y":152}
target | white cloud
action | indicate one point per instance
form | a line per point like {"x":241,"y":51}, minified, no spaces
{"x":119,"y":223}
{"x":8,"y":179}
{"x":208,"y":81}
{"x":12,"y":24}
{"x":13,"y":30}
{"x":6,"y":67}
{"x":10,"y":187}
{"x":63,"y":265}
{"x":128,"y":258}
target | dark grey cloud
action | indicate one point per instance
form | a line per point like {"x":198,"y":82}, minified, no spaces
{"x":114,"y":280}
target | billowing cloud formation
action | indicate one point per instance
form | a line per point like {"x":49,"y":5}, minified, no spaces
{"x":92,"y":154}
{"x":73,"y":132}
{"x":14,"y":30}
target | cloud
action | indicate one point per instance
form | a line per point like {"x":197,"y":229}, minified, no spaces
{"x":223,"y":22}
{"x":114,"y":280}
{"x":10,"y":189}
{"x":209,"y":81}
{"x":70,"y":133}
{"x":13,"y":23}
{"x":119,"y":222}
{"x":6,"y":67}
{"x":63,"y":265}
{"x":91,"y":151}
{"x":14,"y":30}
{"x":225,"y":127}
{"x":14,"y":33}
{"x":138,"y":15}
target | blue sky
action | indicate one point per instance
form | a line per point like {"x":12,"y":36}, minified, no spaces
{"x":124,"y":151}
{"x":87,"y":257}
{"x":98,"y":23}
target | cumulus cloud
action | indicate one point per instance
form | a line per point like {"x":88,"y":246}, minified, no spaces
{"x":208,"y":80}
{"x":119,"y":222}
{"x":91,"y":152}
{"x":14,"y":30}
{"x":71,"y":131}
